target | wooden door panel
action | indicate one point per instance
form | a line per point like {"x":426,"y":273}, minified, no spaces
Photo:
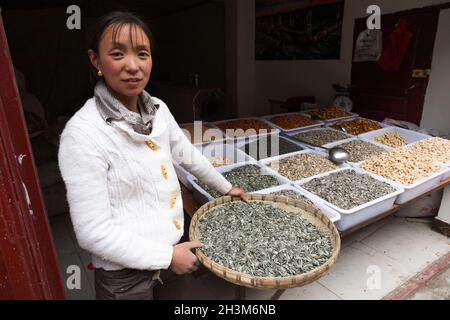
{"x":396,"y":94}
{"x":28,"y":266}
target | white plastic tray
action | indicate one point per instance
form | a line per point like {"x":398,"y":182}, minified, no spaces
{"x":273,"y":131}
{"x":266,"y":162}
{"x":333,"y":215}
{"x":356,"y":164}
{"x":352,"y":116}
{"x":182,"y":175}
{"x":209,"y":125}
{"x":422,"y":186}
{"x":410,"y":136}
{"x":241,"y":143}
{"x":202,"y":196}
{"x":215,"y":149}
{"x":362,"y":213}
{"x":383,"y":125}
{"x":269,"y":117}
{"x":224,"y":149}
{"x":292,"y":134}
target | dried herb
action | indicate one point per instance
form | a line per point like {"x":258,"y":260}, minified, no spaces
{"x":262,"y":240}
{"x":249,"y":178}
{"x":266,"y":147}
{"x":348,"y":189}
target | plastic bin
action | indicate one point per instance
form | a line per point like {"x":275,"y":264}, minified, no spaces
{"x":269,"y":117}
{"x":209,"y":125}
{"x":242,"y":142}
{"x":362,"y":213}
{"x":422,"y":186}
{"x":356,"y":164}
{"x":202,"y":197}
{"x":292,"y":134}
{"x":273,"y":131}
{"x":410,"y":136}
{"x":215,"y":149}
{"x":266,"y":162}
{"x":352,"y":116}
{"x":333,"y":215}
{"x":382,"y":125}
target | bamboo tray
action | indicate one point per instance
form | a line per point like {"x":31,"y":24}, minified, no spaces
{"x":313,"y":215}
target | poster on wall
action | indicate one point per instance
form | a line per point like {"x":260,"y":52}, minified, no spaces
{"x":298,"y":29}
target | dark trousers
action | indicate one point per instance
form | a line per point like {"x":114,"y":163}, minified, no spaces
{"x":129,"y":284}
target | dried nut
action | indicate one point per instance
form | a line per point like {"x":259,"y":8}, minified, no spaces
{"x":361,"y":150}
{"x":405,"y":165}
{"x":358,"y":126}
{"x":302,"y":166}
{"x":236,"y":128}
{"x":219,"y":161}
{"x":435,"y":149}
{"x":292,"y":121}
{"x":348,"y":189}
{"x":330,"y":113}
{"x":248,"y":177}
{"x":263,"y":240}
{"x":321,"y":137}
{"x":391,"y":139}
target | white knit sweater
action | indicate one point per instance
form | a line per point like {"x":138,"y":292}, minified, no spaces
{"x":123,"y":192}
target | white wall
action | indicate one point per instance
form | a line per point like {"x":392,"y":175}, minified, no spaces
{"x":436,"y":113}
{"x":283,"y":79}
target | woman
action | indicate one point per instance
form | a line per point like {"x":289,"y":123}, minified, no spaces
{"x":116,"y":157}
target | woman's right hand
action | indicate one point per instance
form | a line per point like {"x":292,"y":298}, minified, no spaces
{"x":183,"y":260}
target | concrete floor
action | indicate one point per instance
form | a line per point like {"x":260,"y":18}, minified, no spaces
{"x":372,"y":263}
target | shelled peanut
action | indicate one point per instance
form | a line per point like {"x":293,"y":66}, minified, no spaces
{"x":292,"y":121}
{"x":405,"y":166}
{"x":391,"y":139}
{"x":436,"y":149}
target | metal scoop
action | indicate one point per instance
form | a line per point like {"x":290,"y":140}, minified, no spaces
{"x":337,"y":155}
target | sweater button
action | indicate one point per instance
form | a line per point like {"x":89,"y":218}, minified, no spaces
{"x":151,"y":145}
{"x":164,"y":172}
{"x":172,"y":202}
{"x":177,"y":224}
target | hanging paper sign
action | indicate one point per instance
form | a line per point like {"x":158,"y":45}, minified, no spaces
{"x":369,"y":46}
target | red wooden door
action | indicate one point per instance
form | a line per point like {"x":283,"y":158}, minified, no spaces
{"x":383,"y":94}
{"x":28,"y":263}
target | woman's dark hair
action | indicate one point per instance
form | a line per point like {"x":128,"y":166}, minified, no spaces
{"x":117,"y":19}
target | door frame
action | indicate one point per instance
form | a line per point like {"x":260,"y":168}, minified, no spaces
{"x":28,"y":263}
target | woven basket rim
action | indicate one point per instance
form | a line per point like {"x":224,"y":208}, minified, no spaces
{"x":267,"y":282}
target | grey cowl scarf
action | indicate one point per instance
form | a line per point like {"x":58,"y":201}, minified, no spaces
{"x":112,"y":109}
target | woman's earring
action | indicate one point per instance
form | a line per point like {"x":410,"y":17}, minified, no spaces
{"x":99,"y":73}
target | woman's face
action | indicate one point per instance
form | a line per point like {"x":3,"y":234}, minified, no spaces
{"x":126,"y":63}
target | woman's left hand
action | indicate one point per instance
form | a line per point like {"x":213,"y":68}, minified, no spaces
{"x":236,"y":192}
